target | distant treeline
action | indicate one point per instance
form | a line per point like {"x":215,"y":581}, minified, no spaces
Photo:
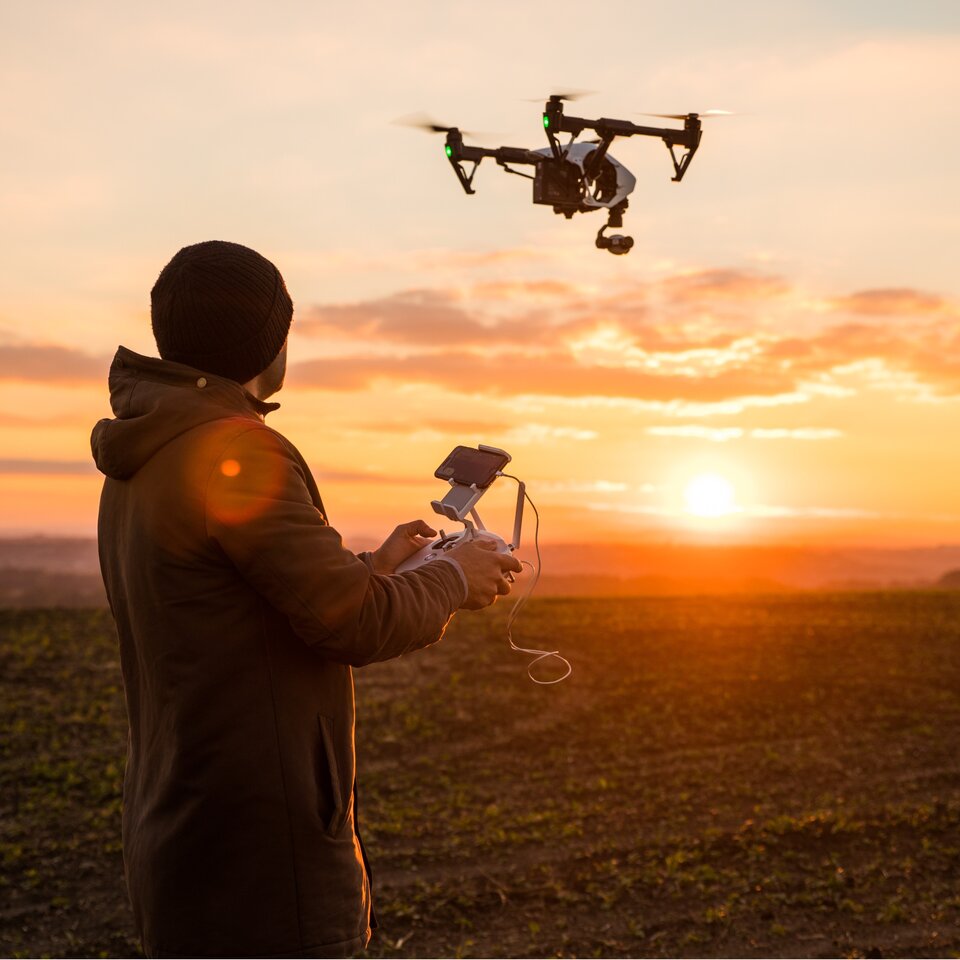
{"x":64,"y":572}
{"x":46,"y":588}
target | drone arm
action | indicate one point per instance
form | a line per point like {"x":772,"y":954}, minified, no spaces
{"x":460,"y":152}
{"x":507,"y":155}
{"x":500,"y":154}
{"x":603,"y":127}
{"x":517,"y":155}
{"x":607,"y":129}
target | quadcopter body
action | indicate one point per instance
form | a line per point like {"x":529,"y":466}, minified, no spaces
{"x":578,"y":177}
{"x":556,"y":186}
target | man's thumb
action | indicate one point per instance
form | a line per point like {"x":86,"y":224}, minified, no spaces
{"x":418,"y":528}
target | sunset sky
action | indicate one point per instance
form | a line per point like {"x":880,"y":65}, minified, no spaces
{"x":788,"y":320}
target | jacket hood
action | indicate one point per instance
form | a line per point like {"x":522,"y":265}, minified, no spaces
{"x":155,"y":401}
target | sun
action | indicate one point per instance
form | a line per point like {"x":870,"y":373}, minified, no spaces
{"x":709,"y":495}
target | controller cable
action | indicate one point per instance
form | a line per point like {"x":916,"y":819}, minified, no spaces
{"x":538,"y":654}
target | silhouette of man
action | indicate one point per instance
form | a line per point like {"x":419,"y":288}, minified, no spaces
{"x":240,"y":615}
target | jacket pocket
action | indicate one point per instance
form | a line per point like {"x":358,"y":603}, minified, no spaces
{"x":329,"y":793}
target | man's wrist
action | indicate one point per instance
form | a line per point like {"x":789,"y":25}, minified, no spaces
{"x":463,"y":576}
{"x":370,"y":558}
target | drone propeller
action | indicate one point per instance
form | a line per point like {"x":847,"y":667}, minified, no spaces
{"x":570,"y":95}
{"x":421,"y":121}
{"x":683,"y":116}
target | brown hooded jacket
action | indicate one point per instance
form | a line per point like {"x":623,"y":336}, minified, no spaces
{"x":240,"y":615}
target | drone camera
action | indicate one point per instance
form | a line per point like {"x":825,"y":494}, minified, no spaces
{"x":616,"y":243}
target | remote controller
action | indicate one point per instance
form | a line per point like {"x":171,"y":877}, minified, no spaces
{"x":447,"y":541}
{"x":470,"y":472}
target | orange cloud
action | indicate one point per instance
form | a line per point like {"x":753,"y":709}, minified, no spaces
{"x":355,"y":476}
{"x":929,"y":355}
{"x":723,"y":285}
{"x":424,"y":318}
{"x":462,"y":259}
{"x":413,"y":316}
{"x":893,"y":301}
{"x":723,"y":434}
{"x":47,"y":467}
{"x":51,"y":364}
{"x":617,"y":345}
{"x":555,"y":374}
{"x":68,"y":418}
{"x":456,"y":428}
{"x":498,"y":314}
{"x":524,"y":289}
{"x":648,"y":341}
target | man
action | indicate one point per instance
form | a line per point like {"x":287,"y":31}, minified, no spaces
{"x":240,"y":615}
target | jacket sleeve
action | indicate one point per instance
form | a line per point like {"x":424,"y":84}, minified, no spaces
{"x":260,"y":511}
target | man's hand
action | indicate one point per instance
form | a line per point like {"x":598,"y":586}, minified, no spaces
{"x":404,"y":542}
{"x":484,"y":569}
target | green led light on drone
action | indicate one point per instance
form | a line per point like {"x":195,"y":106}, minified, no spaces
{"x":449,"y":150}
{"x":546,"y":122}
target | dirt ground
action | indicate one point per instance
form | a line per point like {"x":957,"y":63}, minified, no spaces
{"x":768,"y":776}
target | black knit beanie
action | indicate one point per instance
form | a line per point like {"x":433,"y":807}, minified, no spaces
{"x":222,"y":308}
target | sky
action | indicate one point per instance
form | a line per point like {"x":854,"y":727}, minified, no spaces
{"x":786,"y":324}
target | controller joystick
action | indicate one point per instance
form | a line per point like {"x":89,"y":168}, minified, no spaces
{"x":447,"y":541}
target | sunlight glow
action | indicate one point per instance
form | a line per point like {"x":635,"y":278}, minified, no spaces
{"x":709,"y":495}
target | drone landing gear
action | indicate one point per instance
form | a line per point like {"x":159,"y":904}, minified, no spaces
{"x":616,"y":243}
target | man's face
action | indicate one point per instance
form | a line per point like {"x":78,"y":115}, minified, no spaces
{"x":271,"y":380}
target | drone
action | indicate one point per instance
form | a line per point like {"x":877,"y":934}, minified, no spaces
{"x":578,"y":177}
